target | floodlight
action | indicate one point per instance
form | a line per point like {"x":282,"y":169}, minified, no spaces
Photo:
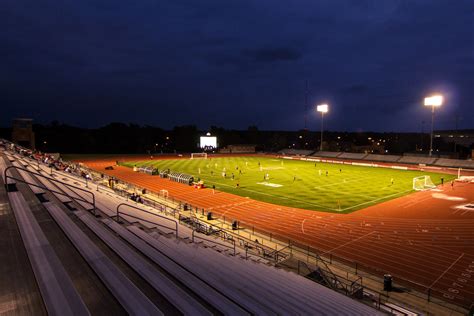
{"x":435,"y":100}
{"x":323,"y":108}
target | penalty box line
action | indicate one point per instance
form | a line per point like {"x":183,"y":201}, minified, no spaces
{"x":381,"y":198}
{"x":277,"y":196}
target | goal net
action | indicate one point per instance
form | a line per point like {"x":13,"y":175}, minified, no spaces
{"x":423,"y":183}
{"x":198,"y":155}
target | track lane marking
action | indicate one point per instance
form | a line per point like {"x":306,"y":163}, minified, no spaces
{"x":345,"y":244}
{"x":445,"y":271}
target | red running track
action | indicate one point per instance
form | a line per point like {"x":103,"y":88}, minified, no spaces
{"x":421,"y":238}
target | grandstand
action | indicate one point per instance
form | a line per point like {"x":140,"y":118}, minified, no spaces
{"x":405,"y":159}
{"x":354,"y":156}
{"x":298,"y":152}
{"x":81,"y":248}
{"x":417,"y":160}
{"x":382,"y":158}
{"x":455,"y":163}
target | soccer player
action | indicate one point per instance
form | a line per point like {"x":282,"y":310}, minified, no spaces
{"x":327,"y":173}
{"x":232,"y":176}
{"x":391,"y":180}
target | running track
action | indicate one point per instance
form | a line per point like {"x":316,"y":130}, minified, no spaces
{"x":420,"y":238}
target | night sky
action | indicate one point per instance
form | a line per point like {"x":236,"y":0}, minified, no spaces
{"x":238,"y":63}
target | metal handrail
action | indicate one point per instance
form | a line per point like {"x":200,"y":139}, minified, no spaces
{"x":139,"y":218}
{"x":6,"y":177}
{"x":193,"y":236}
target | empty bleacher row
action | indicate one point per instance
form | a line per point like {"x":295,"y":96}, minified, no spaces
{"x":415,"y":159}
{"x":298,"y":152}
{"x":82,"y":267}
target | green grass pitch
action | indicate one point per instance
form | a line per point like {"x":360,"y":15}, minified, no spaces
{"x":300,"y":184}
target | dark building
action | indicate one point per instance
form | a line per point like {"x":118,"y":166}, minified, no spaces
{"x":22,"y":132}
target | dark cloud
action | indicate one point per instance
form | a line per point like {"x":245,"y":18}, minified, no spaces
{"x":237,"y":62}
{"x":269,"y":55}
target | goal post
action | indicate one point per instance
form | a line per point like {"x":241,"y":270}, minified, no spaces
{"x":198,"y":155}
{"x":423,"y":183}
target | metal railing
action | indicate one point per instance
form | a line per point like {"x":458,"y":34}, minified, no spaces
{"x":6,"y":177}
{"x":145,"y":220}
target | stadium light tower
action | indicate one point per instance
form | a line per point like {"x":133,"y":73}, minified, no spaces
{"x":433,"y":101}
{"x":323,"y":108}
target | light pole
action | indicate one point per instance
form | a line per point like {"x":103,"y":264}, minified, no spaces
{"x":433,"y":101}
{"x":323,"y":108}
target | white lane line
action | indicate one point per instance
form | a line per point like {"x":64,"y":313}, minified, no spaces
{"x":445,"y":271}
{"x":302,"y":223}
{"x":368,"y":202}
{"x":349,"y":242}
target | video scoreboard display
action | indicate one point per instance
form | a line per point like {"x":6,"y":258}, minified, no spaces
{"x":208,"y":142}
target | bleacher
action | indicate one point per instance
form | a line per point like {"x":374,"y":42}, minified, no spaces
{"x":382,"y":158}
{"x":417,"y":160}
{"x":295,"y":152}
{"x":454,"y":163}
{"x":355,"y":156}
{"x":88,"y":257}
{"x":327,"y":154}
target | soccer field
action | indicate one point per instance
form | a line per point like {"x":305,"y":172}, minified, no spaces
{"x":301,"y":184}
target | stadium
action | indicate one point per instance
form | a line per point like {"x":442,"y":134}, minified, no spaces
{"x":237,"y":158}
{"x":392,"y":233}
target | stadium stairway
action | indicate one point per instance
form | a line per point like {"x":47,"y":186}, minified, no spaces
{"x":148,"y":271}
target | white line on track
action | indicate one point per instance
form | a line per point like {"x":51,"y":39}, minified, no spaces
{"x":349,"y":242}
{"x":383,"y":197}
{"x":445,"y":271}
{"x":302,"y":223}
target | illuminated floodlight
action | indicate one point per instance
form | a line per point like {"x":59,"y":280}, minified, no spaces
{"x":323,"y":108}
{"x":435,"y":100}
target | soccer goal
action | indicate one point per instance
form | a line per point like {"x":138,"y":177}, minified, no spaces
{"x":198,"y":155}
{"x":423,"y":183}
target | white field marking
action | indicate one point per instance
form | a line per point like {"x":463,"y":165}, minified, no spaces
{"x":279,"y":197}
{"x":302,"y":223}
{"x":269,"y":184}
{"x":415,"y":200}
{"x":273,"y":168}
{"x":445,"y":271}
{"x":383,"y":197}
{"x":411,"y":203}
{"x":349,"y":242}
{"x":338,"y":183}
{"x":443,"y":196}
{"x":346,"y":193}
{"x":469,"y":207}
{"x":229,"y":206}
